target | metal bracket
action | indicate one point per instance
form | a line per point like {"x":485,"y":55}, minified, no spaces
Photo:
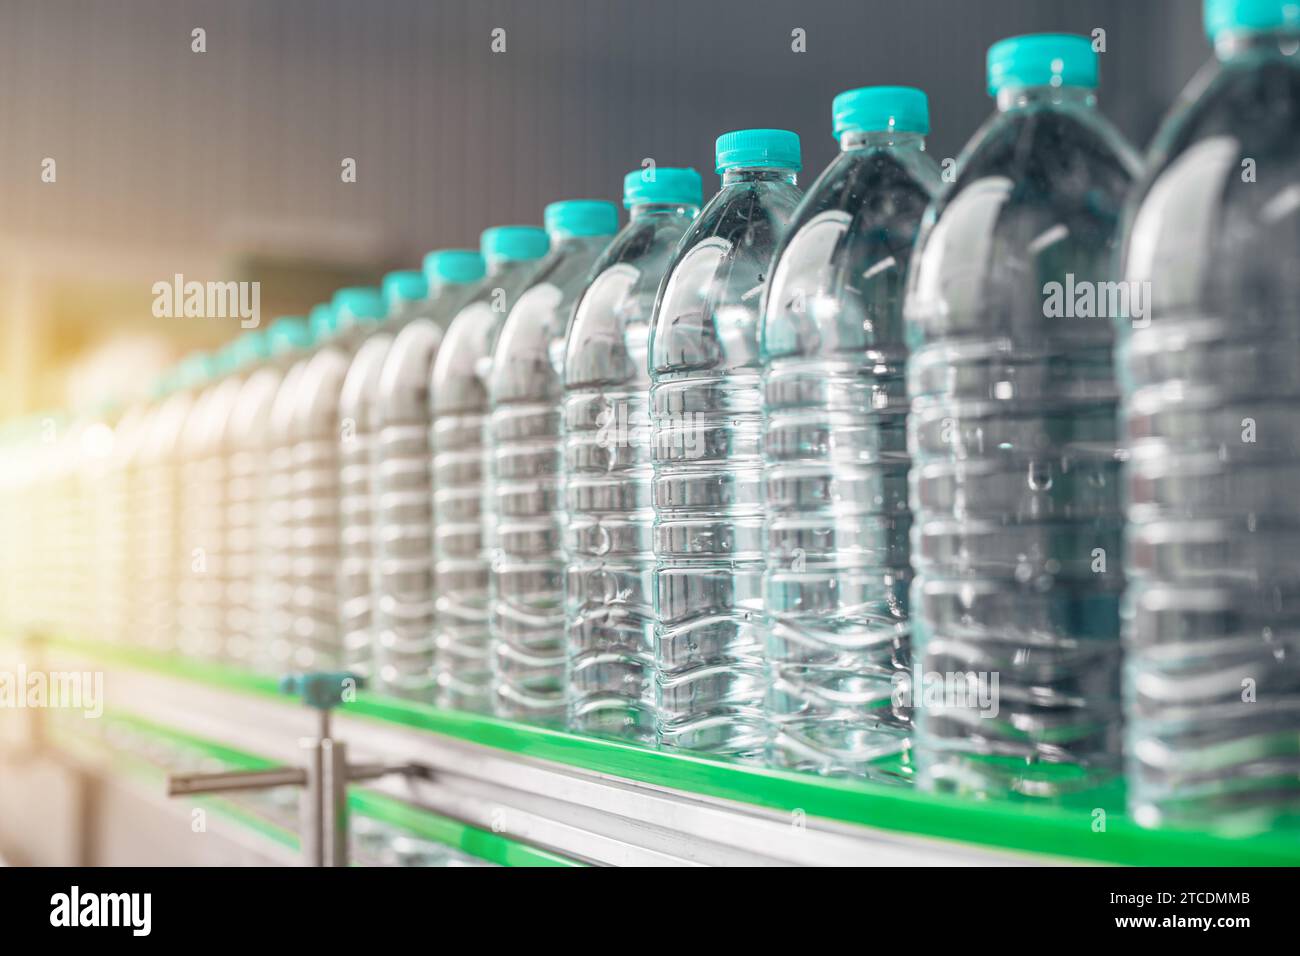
{"x":323,"y":806}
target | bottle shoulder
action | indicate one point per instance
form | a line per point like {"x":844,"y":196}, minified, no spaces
{"x":527,"y":360}
{"x":1046,"y":156}
{"x":1215,"y":210}
{"x":459,"y":367}
{"x":839,"y":272}
{"x":706,"y":312}
{"x":1038,"y":199}
{"x":606,"y":340}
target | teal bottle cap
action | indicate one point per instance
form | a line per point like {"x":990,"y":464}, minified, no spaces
{"x":251,"y":348}
{"x":195,"y":370}
{"x":580,"y":217}
{"x":163,"y":385}
{"x":358,"y":305}
{"x":453,"y":267}
{"x":226,"y":358}
{"x":405,"y":285}
{"x":879,"y":109}
{"x":663,"y":184}
{"x":322,"y":321}
{"x":257,"y":346}
{"x":514,"y":244}
{"x":1042,"y":59}
{"x":288,"y":334}
{"x":774,"y":148}
{"x":1251,"y":16}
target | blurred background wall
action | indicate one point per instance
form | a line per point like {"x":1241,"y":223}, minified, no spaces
{"x":225,"y":165}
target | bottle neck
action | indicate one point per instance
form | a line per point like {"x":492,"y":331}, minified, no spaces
{"x":651,"y":210}
{"x":881,"y":139}
{"x":1029,"y":97}
{"x":498,"y":268}
{"x":1239,"y":45}
{"x":758,"y":174}
{"x":570,"y":243}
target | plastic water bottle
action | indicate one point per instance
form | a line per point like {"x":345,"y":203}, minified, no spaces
{"x":835,"y":445}
{"x":358,"y":438}
{"x":315,"y":493}
{"x":706,"y":421}
{"x":403,"y":475}
{"x":609,"y":602}
{"x":161,"y":456}
{"x":1016,"y":541}
{"x":264,"y":358}
{"x":526,"y":609}
{"x":203,"y":463}
{"x":275,"y":654}
{"x":124,"y":608}
{"x":1212,"y":417}
{"x":458,"y":407}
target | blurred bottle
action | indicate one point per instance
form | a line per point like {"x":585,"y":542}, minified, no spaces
{"x":201,"y":615}
{"x":706,"y":418}
{"x":116,"y":446}
{"x":264,"y":358}
{"x":526,"y":609}
{"x":277,"y":654}
{"x":1016,"y":541}
{"x":1212,"y":415}
{"x":609,"y":613}
{"x":167,"y":557}
{"x":835,"y":445}
{"x":307,"y":418}
{"x":458,"y":408}
{"x":402,"y":476}
{"x":404,"y":293}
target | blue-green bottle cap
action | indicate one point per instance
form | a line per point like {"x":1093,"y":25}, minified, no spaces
{"x":514,"y":244}
{"x":195,"y":370}
{"x":405,"y":285}
{"x":288,"y":334}
{"x":322,"y":321}
{"x":880,"y":109}
{"x":358,"y":305}
{"x":253,"y":347}
{"x":1042,"y":59}
{"x":453,"y":267}
{"x":663,"y":184}
{"x":580,"y":217}
{"x":774,"y":148}
{"x":226,"y":358}
{"x":1251,"y":16}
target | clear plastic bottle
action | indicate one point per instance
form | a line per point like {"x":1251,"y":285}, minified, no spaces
{"x":164,"y":556}
{"x":1016,"y":540}
{"x":277,"y":643}
{"x":524,"y":455}
{"x":609,"y":588}
{"x":315,"y":486}
{"x":706,"y":423}
{"x":404,"y":292}
{"x":835,"y":446}
{"x":458,"y":408}
{"x":264,"y":357}
{"x":1212,"y":417}
{"x":123,"y":545}
{"x":403,"y":474}
{"x":203,"y":466}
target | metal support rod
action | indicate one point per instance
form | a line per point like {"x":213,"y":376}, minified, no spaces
{"x":334,"y":802}
{"x":324,"y":778}
{"x":191,"y":784}
{"x":311,"y":824}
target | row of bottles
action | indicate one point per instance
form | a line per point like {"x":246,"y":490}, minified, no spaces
{"x":835,"y":482}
